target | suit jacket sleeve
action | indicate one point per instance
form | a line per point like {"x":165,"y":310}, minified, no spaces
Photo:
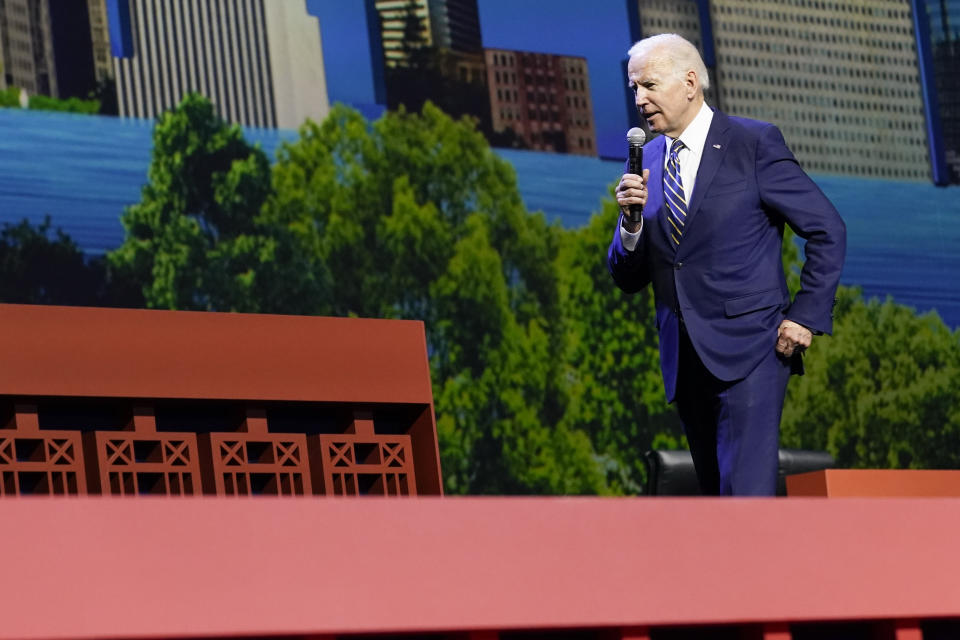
{"x":628,"y":268}
{"x":787,"y":190}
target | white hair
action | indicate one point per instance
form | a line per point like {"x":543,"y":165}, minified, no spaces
{"x":677,"y":51}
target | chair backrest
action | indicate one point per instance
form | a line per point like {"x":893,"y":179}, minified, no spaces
{"x":671,"y":472}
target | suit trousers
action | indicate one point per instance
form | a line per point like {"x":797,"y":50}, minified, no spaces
{"x":733,"y":428}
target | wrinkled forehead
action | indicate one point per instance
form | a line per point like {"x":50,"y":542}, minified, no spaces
{"x":650,"y":65}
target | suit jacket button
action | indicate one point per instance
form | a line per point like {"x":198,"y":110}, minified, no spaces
{"x":678,"y":265}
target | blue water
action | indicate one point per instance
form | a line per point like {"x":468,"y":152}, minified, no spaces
{"x":903,"y":237}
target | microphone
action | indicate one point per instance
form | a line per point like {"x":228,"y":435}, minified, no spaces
{"x":635,"y":138}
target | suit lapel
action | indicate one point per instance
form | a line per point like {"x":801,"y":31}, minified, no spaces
{"x":713,"y":151}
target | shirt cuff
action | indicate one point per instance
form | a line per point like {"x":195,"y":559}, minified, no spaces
{"x":630,"y":240}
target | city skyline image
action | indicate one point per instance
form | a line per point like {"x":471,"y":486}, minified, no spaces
{"x":872,"y":76}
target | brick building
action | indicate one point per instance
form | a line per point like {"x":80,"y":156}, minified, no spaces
{"x":544,"y":98}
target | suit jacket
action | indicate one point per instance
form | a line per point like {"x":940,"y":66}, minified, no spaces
{"x":726,"y":276}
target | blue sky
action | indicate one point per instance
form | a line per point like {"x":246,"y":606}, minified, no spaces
{"x":346,"y":52}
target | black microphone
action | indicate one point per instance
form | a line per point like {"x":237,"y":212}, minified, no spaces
{"x":635,"y":138}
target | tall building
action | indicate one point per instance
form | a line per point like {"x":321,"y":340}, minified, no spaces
{"x":100,"y":40}
{"x":543,"y":98}
{"x":45,"y":47}
{"x":452,"y":25}
{"x":840,"y":78}
{"x":259,"y":61}
{"x":937,"y":24}
{"x":432,"y":50}
{"x":400,"y":22}
{"x":27,"y":46}
{"x":455,"y":25}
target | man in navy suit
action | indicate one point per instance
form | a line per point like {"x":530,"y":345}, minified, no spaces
{"x":716,"y":192}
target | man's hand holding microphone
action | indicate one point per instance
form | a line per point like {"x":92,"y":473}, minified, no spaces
{"x":632,"y":190}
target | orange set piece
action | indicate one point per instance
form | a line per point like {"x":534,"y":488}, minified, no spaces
{"x":361,"y":388}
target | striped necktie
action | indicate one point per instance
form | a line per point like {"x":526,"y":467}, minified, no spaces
{"x":673,"y":191}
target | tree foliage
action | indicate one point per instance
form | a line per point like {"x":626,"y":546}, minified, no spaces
{"x":195,"y":240}
{"x":883,"y":392}
{"x":41,"y":266}
{"x":10,"y":97}
{"x":611,"y":357}
{"x":415,"y":217}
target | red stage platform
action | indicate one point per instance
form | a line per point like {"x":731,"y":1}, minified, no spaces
{"x":323,"y":567}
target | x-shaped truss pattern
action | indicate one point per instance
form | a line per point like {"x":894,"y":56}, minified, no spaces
{"x":233,"y":453}
{"x":176,"y":453}
{"x":367,"y":464}
{"x":119,"y":449}
{"x":60,"y":451}
{"x":6,"y":451}
{"x":288,"y":454}
{"x":341,"y":454}
{"x":393,"y":454}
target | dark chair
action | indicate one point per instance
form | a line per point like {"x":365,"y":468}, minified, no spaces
{"x":671,"y":473}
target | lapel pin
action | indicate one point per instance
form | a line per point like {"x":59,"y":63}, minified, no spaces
{"x":716,"y":146}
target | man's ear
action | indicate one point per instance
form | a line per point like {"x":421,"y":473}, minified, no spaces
{"x":692,"y":83}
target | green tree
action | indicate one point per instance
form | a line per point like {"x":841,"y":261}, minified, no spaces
{"x":10,"y":97}
{"x":73,"y":104}
{"x":372,"y":202}
{"x":883,"y":392}
{"x":415,"y":217}
{"x":42,"y":266}
{"x":494,"y":386}
{"x":194,"y":241}
{"x":611,"y":357}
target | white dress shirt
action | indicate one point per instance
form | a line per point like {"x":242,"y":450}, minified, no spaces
{"x":694,"y":137}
